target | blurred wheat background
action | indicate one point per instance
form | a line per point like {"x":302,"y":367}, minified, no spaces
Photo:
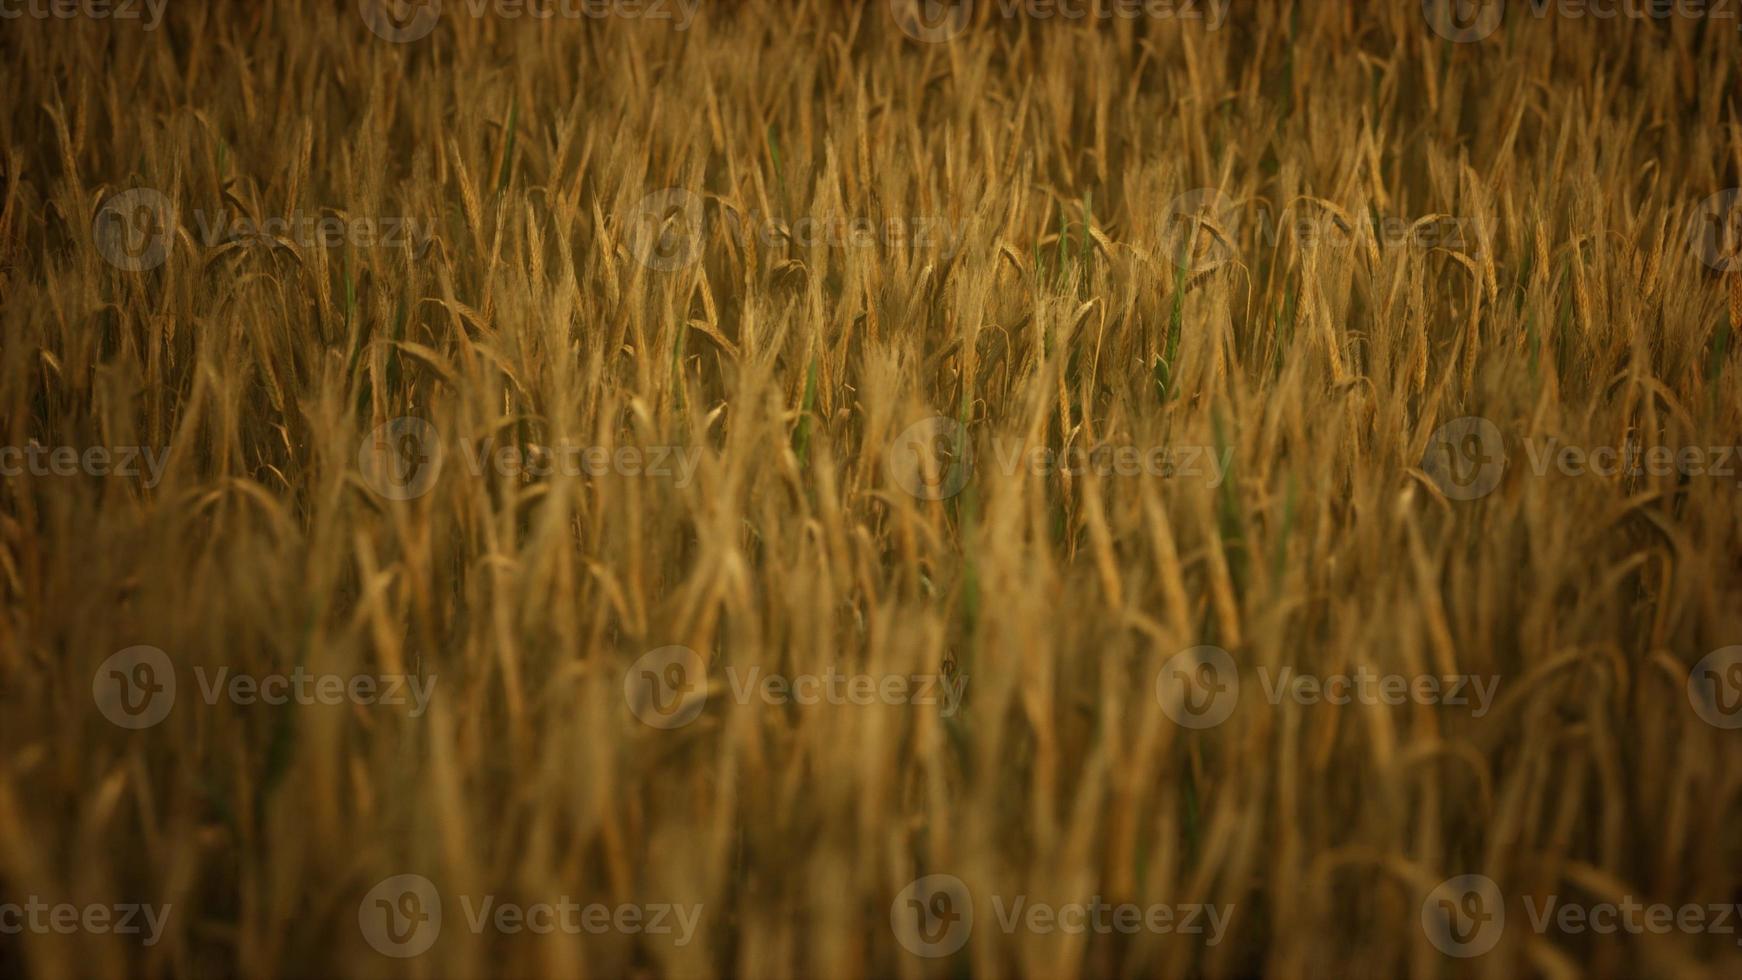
{"x":1070,"y":306}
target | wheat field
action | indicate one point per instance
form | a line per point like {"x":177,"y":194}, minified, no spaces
{"x":803,"y":488}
